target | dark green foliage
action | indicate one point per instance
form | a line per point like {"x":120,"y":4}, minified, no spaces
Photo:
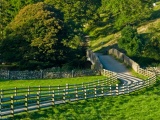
{"x":29,"y":33}
{"x":130,"y":41}
{"x":10,"y":8}
{"x":77,"y":13}
{"x":35,"y":36}
{"x":125,"y":12}
{"x":152,"y":46}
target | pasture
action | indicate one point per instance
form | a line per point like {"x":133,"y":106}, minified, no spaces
{"x":7,"y":84}
{"x":141,"y":105}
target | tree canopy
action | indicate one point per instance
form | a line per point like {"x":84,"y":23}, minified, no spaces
{"x":35,"y":35}
{"x":125,"y":12}
{"x":152,"y":46}
{"x":130,"y":41}
{"x":46,"y":33}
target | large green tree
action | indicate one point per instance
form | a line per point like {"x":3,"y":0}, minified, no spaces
{"x":35,"y":35}
{"x":77,"y":12}
{"x":4,"y":16}
{"x":152,"y":46}
{"x":10,"y":8}
{"x":130,"y":41}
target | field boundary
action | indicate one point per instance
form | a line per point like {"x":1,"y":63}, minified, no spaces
{"x":44,"y":74}
{"x":18,"y":100}
{"x":26,"y":101}
{"x":128,"y":61}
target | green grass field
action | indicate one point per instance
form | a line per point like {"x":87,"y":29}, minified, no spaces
{"x":142,"y":105}
{"x":5,"y":84}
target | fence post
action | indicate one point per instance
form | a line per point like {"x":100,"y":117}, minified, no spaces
{"x":88,"y":86}
{"x":58,"y":89}
{"x":102,"y":90}
{"x":49,"y":89}
{"x":15,"y":91}
{"x":38,"y":100}
{"x":2,"y":92}
{"x":12,"y":106}
{"x":28,"y":90}
{"x":85,"y":93}
{"x":110,"y":89}
{"x":95,"y":91}
{"x":39,"y":89}
{"x":67,"y":86}
{"x":123,"y":89}
{"x":76,"y":93}
{"x":82,"y":87}
{"x":107,"y":79}
{"x":128,"y":89}
{"x":53,"y":98}
{"x":64,"y":95}
{"x":26,"y":102}
{"x":117,"y":89}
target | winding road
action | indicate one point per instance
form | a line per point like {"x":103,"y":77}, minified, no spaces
{"x":123,"y":73}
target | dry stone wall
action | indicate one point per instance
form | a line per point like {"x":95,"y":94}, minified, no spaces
{"x":44,"y":74}
{"x":135,"y":66}
{"x":121,"y":56}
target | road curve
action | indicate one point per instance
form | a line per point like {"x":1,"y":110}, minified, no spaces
{"x":123,"y":73}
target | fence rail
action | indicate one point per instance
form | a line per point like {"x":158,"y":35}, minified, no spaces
{"x":41,"y":96}
{"x":18,"y":100}
{"x":29,"y":90}
{"x":135,"y":66}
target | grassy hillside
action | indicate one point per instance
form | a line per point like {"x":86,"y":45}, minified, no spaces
{"x":104,"y":36}
{"x":143,"y":105}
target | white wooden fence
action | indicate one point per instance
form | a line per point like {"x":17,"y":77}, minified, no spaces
{"x":18,"y":100}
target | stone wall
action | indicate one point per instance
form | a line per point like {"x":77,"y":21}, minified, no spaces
{"x":135,"y":66}
{"x":92,"y":57}
{"x":121,"y":56}
{"x":97,"y":65}
{"x":44,"y":74}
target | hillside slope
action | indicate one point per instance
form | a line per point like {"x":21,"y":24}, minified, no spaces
{"x":108,"y":38}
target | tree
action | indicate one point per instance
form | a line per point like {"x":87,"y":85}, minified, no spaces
{"x":9,"y":9}
{"x":130,"y":41}
{"x":126,"y":12}
{"x":4,"y":5}
{"x":76,"y":12}
{"x":36,"y":36}
{"x":152,"y":46}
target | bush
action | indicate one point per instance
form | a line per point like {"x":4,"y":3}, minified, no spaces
{"x":130,"y":41}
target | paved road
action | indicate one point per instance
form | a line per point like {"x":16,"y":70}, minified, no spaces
{"x":111,"y":64}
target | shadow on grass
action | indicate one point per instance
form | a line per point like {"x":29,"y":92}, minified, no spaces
{"x":73,"y":109}
{"x":105,"y":31}
{"x":104,"y":50}
{"x":155,"y":15}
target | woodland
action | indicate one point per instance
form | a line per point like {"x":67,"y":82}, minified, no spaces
{"x":39,"y":34}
